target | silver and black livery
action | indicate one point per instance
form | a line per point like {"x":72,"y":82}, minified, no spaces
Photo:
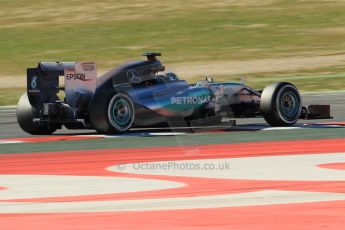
{"x":140,"y":94}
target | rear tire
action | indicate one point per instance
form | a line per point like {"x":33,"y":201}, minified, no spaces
{"x":104,"y":116}
{"x":121,"y":112}
{"x":281,"y":104}
{"x":25,"y":116}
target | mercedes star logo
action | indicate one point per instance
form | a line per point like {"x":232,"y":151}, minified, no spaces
{"x":133,"y":76}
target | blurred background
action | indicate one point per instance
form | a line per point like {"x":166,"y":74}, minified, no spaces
{"x":301,"y":41}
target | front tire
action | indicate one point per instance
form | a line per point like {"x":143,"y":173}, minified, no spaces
{"x":281,"y":104}
{"x":25,"y":116}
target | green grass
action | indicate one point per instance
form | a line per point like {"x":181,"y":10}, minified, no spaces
{"x":111,"y":32}
{"x":10,"y":96}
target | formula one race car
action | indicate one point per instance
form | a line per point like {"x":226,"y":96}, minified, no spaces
{"x":139,"y":94}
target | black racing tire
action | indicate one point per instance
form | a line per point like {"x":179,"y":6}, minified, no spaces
{"x":114,"y":115}
{"x":281,"y":104}
{"x":121,"y":113}
{"x":25,"y":116}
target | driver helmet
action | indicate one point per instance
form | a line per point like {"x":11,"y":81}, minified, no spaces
{"x":171,"y":76}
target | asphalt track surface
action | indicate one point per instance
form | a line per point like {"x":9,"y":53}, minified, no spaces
{"x":246,"y":177}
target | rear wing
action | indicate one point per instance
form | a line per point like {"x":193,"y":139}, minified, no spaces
{"x":43,"y":83}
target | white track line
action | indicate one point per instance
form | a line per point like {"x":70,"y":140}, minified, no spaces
{"x":4,"y":141}
{"x":266,"y":197}
{"x":40,"y":186}
{"x":286,"y":168}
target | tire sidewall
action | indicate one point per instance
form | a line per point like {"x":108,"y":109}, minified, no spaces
{"x":26,"y":113}
{"x":283,"y":89}
{"x":270,"y":102}
{"x":113,"y":100}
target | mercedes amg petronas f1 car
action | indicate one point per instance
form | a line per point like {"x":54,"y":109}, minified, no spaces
{"x":140,"y":94}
